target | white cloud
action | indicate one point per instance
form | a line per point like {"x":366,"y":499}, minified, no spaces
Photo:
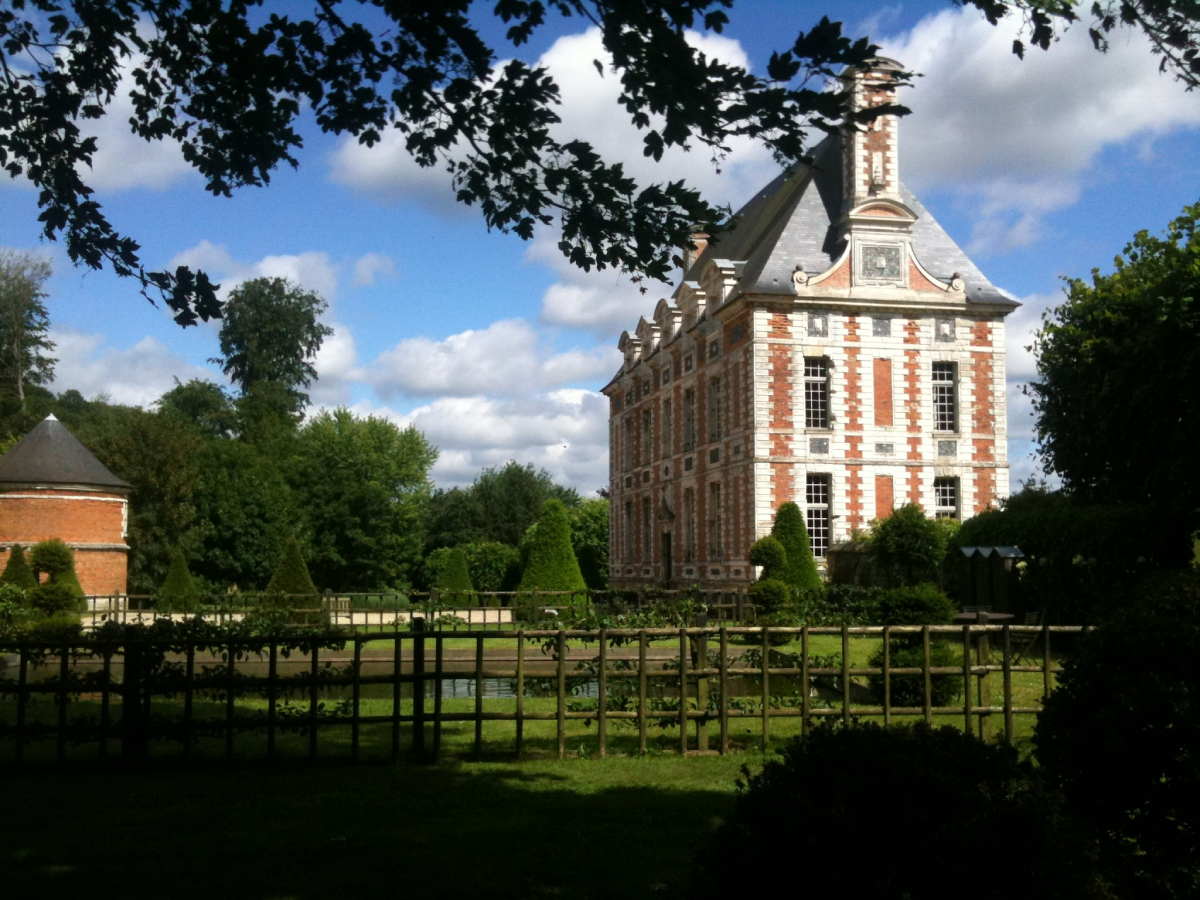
{"x":369,"y":266}
{"x":312,"y":270}
{"x":338,"y":369}
{"x":1016,"y":138}
{"x":563,"y":431}
{"x":388,"y":174}
{"x":508,"y":357}
{"x":137,"y":375}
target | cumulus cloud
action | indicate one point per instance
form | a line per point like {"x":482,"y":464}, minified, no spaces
{"x":1020,"y":369}
{"x":508,"y":357}
{"x":370,"y":266}
{"x":312,"y":270}
{"x":137,"y":375}
{"x":1014,"y":139}
{"x":564,"y":431}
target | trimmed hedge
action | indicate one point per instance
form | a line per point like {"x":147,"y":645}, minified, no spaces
{"x":551,"y":564}
{"x":17,"y":570}
{"x":769,"y":596}
{"x":178,"y":586}
{"x":800,"y":569}
{"x":769,"y":553}
{"x":54,"y":598}
{"x":454,"y":578}
{"x":57,"y":560}
{"x":291,"y":575}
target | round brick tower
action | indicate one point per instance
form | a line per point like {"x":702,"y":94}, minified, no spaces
{"x":51,"y":486}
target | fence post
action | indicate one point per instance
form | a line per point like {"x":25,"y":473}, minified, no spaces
{"x":724,"y":690}
{"x":602,"y":699}
{"x":845,"y":674}
{"x":133,"y":728}
{"x":683,"y":698}
{"x":1008,"y":702}
{"x":984,"y":649}
{"x":766,"y":687}
{"x":418,"y":732}
{"x":887,"y":675}
{"x":520,"y":691}
{"x":702,"y":686}
{"x":438,"y":671}
{"x":968,"y":687}
{"x":928,"y":687}
{"x":805,"y":684}
{"x":478,"y":694}
{"x":643,"y":680}
{"x":561,"y":714}
{"x":356,"y":698}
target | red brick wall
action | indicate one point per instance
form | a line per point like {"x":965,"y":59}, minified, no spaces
{"x":780,"y":363}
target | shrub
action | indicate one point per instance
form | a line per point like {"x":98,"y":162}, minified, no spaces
{"x":492,"y":565}
{"x":551,"y":564}
{"x":14,"y":609}
{"x":1120,"y":736}
{"x":839,"y":604}
{"x":769,"y":596}
{"x":945,"y":793}
{"x":291,"y":575}
{"x":907,"y":548}
{"x":768,"y":553}
{"x":454,"y":579}
{"x":800,"y":569}
{"x":178,"y":589}
{"x":922,"y":604}
{"x":53,"y":598}
{"x":57,"y":560}
{"x":17,"y":571}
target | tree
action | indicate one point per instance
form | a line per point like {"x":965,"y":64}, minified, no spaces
{"x":203,"y":404}
{"x":589,"y":539}
{"x":229,"y":85}
{"x":1127,"y":343}
{"x":291,"y":575}
{"x":454,"y":578}
{"x":800,"y":569}
{"x":270,"y":335}
{"x":363,"y":484}
{"x":511,"y":498}
{"x":24,"y":322}
{"x":17,"y":571}
{"x":550,"y":562}
{"x":907,"y":547}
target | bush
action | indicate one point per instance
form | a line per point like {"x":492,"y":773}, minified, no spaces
{"x":453,"y":583}
{"x":53,"y":598}
{"x":800,"y":569}
{"x":769,"y":596}
{"x":907,"y":548}
{"x":57,"y":560}
{"x":920,"y":791}
{"x":839,"y":604}
{"x":178,"y":589}
{"x":1120,"y":736}
{"x":922,"y":604}
{"x":14,"y":609}
{"x":550,"y":562}
{"x":17,"y":571}
{"x":291,"y":575}
{"x":492,"y":565}
{"x":768,"y":553}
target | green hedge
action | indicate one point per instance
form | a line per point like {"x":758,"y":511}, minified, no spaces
{"x":291,"y":575}
{"x":550,"y":561}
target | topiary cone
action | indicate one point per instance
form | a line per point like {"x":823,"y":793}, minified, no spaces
{"x":454,"y":579}
{"x":178,"y":584}
{"x":552,"y":565}
{"x":800,"y":570}
{"x":17,"y":570}
{"x":291,"y":575}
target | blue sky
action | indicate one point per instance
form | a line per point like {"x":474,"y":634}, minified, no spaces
{"x":495,"y":347}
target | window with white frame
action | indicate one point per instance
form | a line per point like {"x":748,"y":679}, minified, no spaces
{"x":714,"y":409}
{"x":816,"y":392}
{"x":945,"y":396}
{"x":714,"y":521}
{"x":689,"y":420}
{"x":816,"y":490}
{"x":666,"y":429}
{"x":647,"y":529}
{"x":945,"y":498}
{"x":689,"y":525}
{"x":647,"y":435}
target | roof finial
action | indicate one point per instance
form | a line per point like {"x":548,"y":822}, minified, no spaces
{"x":51,"y":418}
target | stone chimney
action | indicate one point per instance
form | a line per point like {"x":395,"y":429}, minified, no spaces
{"x":700,"y":240}
{"x":870,"y":156}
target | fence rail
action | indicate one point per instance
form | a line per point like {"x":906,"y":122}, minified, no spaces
{"x":635,"y":681}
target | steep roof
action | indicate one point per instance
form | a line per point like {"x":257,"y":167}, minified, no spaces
{"x":793,"y":220}
{"x":51,"y":455}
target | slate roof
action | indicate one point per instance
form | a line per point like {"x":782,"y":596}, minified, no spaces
{"x":51,"y":455}
{"x":791,"y":221}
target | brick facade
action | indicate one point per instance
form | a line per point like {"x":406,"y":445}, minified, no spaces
{"x":913,"y":384}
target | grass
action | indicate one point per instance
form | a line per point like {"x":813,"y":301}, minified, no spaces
{"x":580,"y":828}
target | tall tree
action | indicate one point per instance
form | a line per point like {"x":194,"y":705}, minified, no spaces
{"x":24,"y":322}
{"x":1118,"y":410}
{"x":269,"y":338}
{"x":229,"y":84}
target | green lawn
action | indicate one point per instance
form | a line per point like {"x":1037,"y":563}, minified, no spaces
{"x":581,"y":828}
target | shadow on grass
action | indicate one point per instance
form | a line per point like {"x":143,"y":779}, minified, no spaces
{"x":579,"y":829}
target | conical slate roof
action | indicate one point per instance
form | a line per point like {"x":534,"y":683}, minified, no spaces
{"x":51,"y":455}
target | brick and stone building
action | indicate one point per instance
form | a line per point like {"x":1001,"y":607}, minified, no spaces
{"x":836,"y":349}
{"x":51,"y":486}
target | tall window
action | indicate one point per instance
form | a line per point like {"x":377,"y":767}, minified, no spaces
{"x":647,"y":434}
{"x":689,"y":525}
{"x":714,"y":521}
{"x":627,"y":444}
{"x":689,"y":420}
{"x":945,"y":498}
{"x":666,"y":429}
{"x":647,"y":528}
{"x":945,"y":397}
{"x":714,"y":409}
{"x":817,"y":513}
{"x":816,"y":392}
{"x":627,"y":524}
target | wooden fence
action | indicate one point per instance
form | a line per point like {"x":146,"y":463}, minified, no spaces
{"x":698,"y":678}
